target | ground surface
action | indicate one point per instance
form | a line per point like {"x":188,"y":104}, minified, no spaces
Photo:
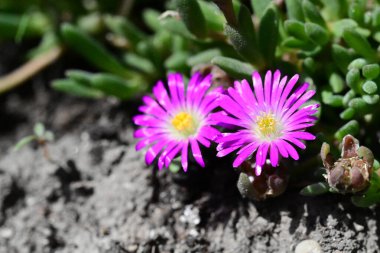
{"x":98,"y":195}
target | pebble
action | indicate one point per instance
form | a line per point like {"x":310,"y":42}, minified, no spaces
{"x":6,"y":233}
{"x":308,"y":246}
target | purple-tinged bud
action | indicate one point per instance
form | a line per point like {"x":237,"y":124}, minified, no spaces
{"x":271,"y":182}
{"x":351,"y":173}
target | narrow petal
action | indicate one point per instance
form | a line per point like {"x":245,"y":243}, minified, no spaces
{"x":149,"y":140}
{"x":196,"y":152}
{"x":275,"y":84}
{"x":277,"y":94}
{"x":146,"y":132}
{"x":148,"y":121}
{"x":296,"y":95}
{"x":258,"y":86}
{"x":295,"y":141}
{"x":247,"y":93}
{"x":273,"y":155}
{"x":261,"y":154}
{"x":172,"y":154}
{"x":161,"y":160}
{"x":268,"y":86}
{"x":209,"y":132}
{"x":292,"y":152}
{"x":244,"y":153}
{"x":173,"y":88}
{"x":288,"y":87}
{"x":203,"y":141}
{"x":155,"y":111}
{"x":153,"y":151}
{"x":226,"y":151}
{"x":305,"y":97}
{"x":281,"y":148}
{"x":162,"y":96}
{"x":222,"y":118}
{"x":184,"y":156}
{"x":304,"y":136}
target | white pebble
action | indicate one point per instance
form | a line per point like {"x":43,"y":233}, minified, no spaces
{"x":308,"y":246}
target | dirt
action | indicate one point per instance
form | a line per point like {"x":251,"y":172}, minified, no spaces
{"x":97,"y":195}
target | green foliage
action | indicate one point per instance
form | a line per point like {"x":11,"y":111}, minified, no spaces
{"x":315,"y":189}
{"x":40,"y":135}
{"x":332,"y":44}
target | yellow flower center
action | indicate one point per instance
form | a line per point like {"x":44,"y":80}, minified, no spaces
{"x":183,"y":122}
{"x":266,"y":124}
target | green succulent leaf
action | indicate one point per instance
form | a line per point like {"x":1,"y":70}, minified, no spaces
{"x":260,"y":6}
{"x":243,"y":37}
{"x":357,"y":9}
{"x":296,"y":29}
{"x":333,"y":100}
{"x":268,"y":35}
{"x":339,"y":26}
{"x":233,"y":67}
{"x":294,"y":9}
{"x":347,"y":114}
{"x":80,"y":76}
{"x":123,"y":27}
{"x":91,"y":50}
{"x":336,"y":82}
{"x":370,"y":87}
{"x":342,"y":57}
{"x":312,"y":14}
{"x":348,"y":96}
{"x":177,"y":61}
{"x":151,"y":19}
{"x":360,"y":44}
{"x":351,"y":127}
{"x":193,"y":17}
{"x":215,"y":19}
{"x":357,"y":64}
{"x":77,"y":89}
{"x":203,"y":57}
{"x":353,"y":80}
{"x":315,"y":189}
{"x":140,"y":63}
{"x":371,"y":99}
{"x":371,"y":196}
{"x":359,"y":105}
{"x":113,"y":85}
{"x":371,"y":71}
{"x":316,"y":33}
{"x":177,"y":27}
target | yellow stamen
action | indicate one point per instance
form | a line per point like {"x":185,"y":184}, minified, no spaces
{"x":267,"y":124}
{"x":184,"y":123}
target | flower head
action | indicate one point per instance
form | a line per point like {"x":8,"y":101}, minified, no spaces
{"x":171,"y":124}
{"x":270,"y":118}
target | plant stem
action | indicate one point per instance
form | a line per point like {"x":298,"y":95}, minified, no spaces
{"x":29,"y":69}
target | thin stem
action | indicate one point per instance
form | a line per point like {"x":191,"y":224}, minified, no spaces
{"x":29,"y":69}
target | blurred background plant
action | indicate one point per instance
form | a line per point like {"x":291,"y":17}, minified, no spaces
{"x":332,"y":44}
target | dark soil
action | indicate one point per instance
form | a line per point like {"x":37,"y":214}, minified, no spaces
{"x":98,"y":195}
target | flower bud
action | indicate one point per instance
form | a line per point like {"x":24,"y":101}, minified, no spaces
{"x":271,"y":182}
{"x":351,"y":173}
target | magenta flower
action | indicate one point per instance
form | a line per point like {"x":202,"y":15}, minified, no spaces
{"x":170,"y":124}
{"x":269,"y":119}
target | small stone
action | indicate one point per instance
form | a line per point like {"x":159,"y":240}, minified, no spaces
{"x":6,"y":233}
{"x":308,"y":246}
{"x":358,"y":227}
{"x":132,"y":248}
